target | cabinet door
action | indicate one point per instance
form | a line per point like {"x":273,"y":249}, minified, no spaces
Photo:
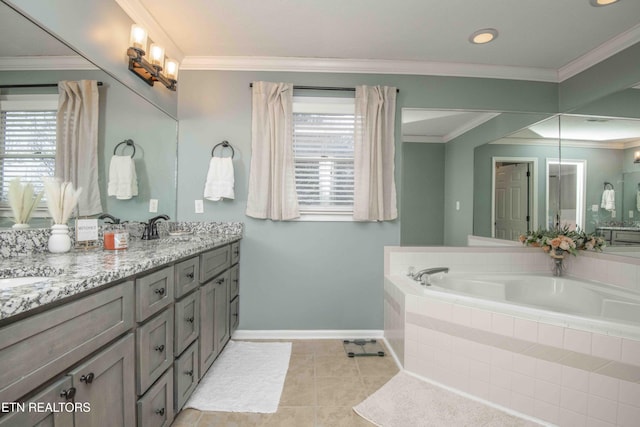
{"x":41,"y":416}
{"x":221,"y":311}
{"x":187,"y":321}
{"x":234,"y":285}
{"x":154,"y":349}
{"x":207,"y":339}
{"x":185,"y":371}
{"x":234,"y":315}
{"x":155,"y":408}
{"x":106,"y":383}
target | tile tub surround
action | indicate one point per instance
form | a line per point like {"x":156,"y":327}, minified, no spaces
{"x":558,"y":374}
{"x":78,"y":270}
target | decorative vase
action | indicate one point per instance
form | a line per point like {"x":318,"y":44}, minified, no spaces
{"x":558,"y":257}
{"x":59,"y":241}
{"x":20,"y":226}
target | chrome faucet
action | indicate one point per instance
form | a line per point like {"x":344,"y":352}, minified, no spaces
{"x":151,"y":228}
{"x":424,"y":276}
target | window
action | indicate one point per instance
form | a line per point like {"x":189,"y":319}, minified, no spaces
{"x":27,"y":141}
{"x":323,"y":154}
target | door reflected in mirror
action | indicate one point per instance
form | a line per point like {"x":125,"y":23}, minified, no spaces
{"x":514,"y":196}
{"x":566,"y":193}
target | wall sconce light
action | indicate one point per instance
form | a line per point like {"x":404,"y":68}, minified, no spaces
{"x":636,"y":157}
{"x":150,"y":70}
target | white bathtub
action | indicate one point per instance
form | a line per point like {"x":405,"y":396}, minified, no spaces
{"x":545,"y":293}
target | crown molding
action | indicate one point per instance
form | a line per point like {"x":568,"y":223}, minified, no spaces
{"x":469,"y":125}
{"x":365,"y":66}
{"x":141,"y":16}
{"x":567,"y":143}
{"x":599,"y":54}
{"x":424,"y":139}
{"x":36,"y":63}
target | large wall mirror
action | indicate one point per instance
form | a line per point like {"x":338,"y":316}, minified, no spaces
{"x":30,"y":55}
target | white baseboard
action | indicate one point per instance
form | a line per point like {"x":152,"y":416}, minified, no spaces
{"x":318,"y":334}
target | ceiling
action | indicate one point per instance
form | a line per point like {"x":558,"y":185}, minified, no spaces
{"x":540,"y":40}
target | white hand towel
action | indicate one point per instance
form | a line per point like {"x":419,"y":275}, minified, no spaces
{"x":220,"y":179}
{"x":123,"y":181}
{"x":638,"y":200}
{"x":608,"y":200}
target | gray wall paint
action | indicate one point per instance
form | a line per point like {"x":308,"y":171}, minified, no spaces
{"x":98,"y":30}
{"x":304,"y":275}
{"x":122,"y":115}
{"x":422,"y":194}
{"x":459,"y":177}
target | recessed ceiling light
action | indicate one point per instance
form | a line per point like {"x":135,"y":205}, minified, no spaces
{"x":598,"y":3}
{"x":483,"y":36}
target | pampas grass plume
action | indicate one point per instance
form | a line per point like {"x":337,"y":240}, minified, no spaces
{"x":61,"y":199}
{"x":22,"y":200}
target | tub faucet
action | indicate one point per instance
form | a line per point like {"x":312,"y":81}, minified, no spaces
{"x":424,"y":276}
{"x":151,"y":228}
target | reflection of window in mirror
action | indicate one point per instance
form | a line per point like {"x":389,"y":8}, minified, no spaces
{"x":27,"y":143}
{"x":566,"y":193}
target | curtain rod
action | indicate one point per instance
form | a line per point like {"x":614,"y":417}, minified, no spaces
{"x":343,"y":89}
{"x":33,"y":85}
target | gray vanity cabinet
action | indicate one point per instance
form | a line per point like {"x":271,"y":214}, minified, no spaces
{"x":106,"y":383}
{"x":187,"y":321}
{"x":154,"y":349}
{"x":234,"y":299}
{"x":221,"y":322}
{"x":154,"y":292}
{"x":187,"y":276}
{"x":214,"y":319}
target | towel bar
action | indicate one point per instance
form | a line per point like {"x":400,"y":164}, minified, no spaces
{"x":128,"y":142}
{"x":224,"y":144}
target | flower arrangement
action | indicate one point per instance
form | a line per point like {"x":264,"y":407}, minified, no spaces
{"x":61,"y":199}
{"x":560,"y":240}
{"x":23,"y":200}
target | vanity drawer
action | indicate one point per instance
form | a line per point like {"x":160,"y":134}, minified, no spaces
{"x":624,"y":237}
{"x":155,"y":409}
{"x":187,"y":321}
{"x":214,"y":262}
{"x":235,"y":252}
{"x":154,"y":349}
{"x":234,"y":315}
{"x":187,"y":275}
{"x":234,"y":284}
{"x":185,"y":371}
{"x":153,"y":292}
{"x":36,"y":349}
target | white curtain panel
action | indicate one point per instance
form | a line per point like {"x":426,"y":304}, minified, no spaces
{"x":77,"y":141}
{"x":272,"y":186}
{"x":374,"y":153}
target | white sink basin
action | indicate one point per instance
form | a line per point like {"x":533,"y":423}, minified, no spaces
{"x":12,"y":282}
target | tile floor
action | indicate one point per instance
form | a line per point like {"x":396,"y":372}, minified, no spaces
{"x":321,"y":387}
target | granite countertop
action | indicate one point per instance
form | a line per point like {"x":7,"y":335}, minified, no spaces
{"x":78,"y":270}
{"x":618,"y":228}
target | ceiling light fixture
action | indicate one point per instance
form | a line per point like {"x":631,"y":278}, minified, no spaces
{"x":598,"y":3}
{"x":483,"y":36}
{"x":150,"y":71}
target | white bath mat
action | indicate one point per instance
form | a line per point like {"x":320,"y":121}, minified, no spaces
{"x":406,"y":401}
{"x":246,"y":377}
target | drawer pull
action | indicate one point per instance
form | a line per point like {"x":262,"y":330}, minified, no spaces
{"x":220,"y":281}
{"x":159,"y":291}
{"x":160,"y":411}
{"x":87,"y":379}
{"x":190,"y":275}
{"x":68,"y":394}
{"x":189,"y":373}
{"x":159,"y":348}
{"x":236,"y":252}
{"x":190,"y":319}
{"x":235,"y":314}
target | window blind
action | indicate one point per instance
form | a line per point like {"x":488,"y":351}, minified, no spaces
{"x":323,"y":152}
{"x":27,"y":148}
